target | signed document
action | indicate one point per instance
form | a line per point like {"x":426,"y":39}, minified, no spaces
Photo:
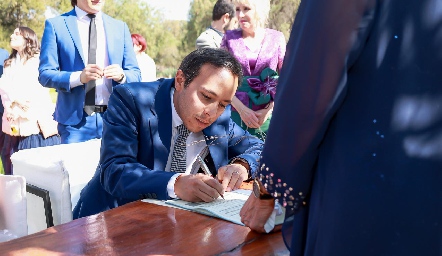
{"x":227,"y":209}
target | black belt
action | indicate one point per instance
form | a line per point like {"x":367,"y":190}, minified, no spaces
{"x":95,"y":109}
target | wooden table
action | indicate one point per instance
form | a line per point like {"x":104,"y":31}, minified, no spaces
{"x":140,"y":228}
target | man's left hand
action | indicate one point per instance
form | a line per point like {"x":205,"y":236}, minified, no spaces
{"x":232,"y":175}
{"x":114,"y":72}
{"x":255,"y":213}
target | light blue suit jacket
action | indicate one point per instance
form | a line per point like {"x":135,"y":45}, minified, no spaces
{"x":62,"y":54}
{"x":137,"y":132}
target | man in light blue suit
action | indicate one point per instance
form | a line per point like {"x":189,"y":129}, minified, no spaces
{"x":142,"y":133}
{"x":67,"y":65}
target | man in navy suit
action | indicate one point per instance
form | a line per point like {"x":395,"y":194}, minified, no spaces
{"x":141,"y":129}
{"x":64,"y":66}
{"x":357,"y":161}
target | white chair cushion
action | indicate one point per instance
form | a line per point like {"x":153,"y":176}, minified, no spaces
{"x":63,"y":170}
{"x":12,"y":207}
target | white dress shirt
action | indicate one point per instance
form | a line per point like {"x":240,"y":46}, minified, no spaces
{"x":194,"y":146}
{"x":103,"y":87}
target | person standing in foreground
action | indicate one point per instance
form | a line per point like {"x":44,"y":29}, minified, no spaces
{"x":223,"y":18}
{"x":27,"y":119}
{"x":357,"y":162}
{"x":145,"y":152}
{"x":261,"y":52}
{"x":84,"y":54}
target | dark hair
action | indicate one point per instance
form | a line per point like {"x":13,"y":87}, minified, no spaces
{"x":219,"y":58}
{"x":73,"y":3}
{"x":222,"y":7}
{"x":138,"y":39}
{"x":32,"y":46}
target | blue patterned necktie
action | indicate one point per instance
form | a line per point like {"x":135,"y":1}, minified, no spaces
{"x":179,"y":150}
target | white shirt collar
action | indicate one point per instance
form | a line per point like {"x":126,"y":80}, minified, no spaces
{"x":176,"y":119}
{"x":82,"y":14}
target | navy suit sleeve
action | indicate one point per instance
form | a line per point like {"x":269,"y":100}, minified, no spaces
{"x":311,"y":88}
{"x":243,"y":145}
{"x":122,"y":173}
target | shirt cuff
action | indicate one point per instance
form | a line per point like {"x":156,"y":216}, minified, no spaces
{"x":277,"y":211}
{"x":74,"y":79}
{"x":171,"y":186}
{"x":123,"y":80}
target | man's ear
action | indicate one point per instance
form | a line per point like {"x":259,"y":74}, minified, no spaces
{"x":179,"y":80}
{"x":226,"y":19}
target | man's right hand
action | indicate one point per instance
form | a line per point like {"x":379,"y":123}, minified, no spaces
{"x":91,"y":72}
{"x":197,"y":188}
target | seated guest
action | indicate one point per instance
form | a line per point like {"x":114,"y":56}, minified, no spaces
{"x":145,"y":152}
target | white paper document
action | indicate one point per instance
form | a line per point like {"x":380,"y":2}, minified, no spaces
{"x":227,"y":209}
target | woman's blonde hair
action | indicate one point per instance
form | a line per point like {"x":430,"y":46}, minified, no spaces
{"x":262,"y":10}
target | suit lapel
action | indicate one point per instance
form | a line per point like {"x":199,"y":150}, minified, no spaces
{"x":163,"y":111}
{"x":72,"y":27}
{"x":113,"y":38}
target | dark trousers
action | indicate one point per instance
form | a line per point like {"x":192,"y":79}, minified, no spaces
{"x":10,"y":145}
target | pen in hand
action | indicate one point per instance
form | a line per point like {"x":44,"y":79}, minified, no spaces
{"x":206,"y":169}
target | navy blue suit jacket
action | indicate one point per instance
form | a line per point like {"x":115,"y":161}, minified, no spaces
{"x":361,"y":146}
{"x":137,"y":130}
{"x":61,"y":54}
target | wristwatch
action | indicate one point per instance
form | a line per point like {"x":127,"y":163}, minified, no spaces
{"x":259,"y":191}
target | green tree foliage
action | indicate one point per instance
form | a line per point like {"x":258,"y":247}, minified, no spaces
{"x":282,"y":15}
{"x":200,"y":18}
{"x":14,"y":13}
{"x":162,"y":37}
{"x":168,"y":41}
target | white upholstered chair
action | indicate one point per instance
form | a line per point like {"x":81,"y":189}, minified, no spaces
{"x":12,"y":207}
{"x":55,"y":176}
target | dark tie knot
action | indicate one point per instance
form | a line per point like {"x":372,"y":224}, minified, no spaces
{"x":91,"y":16}
{"x":183,"y":131}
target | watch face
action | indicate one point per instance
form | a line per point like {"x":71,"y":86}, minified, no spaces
{"x":258,"y":193}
